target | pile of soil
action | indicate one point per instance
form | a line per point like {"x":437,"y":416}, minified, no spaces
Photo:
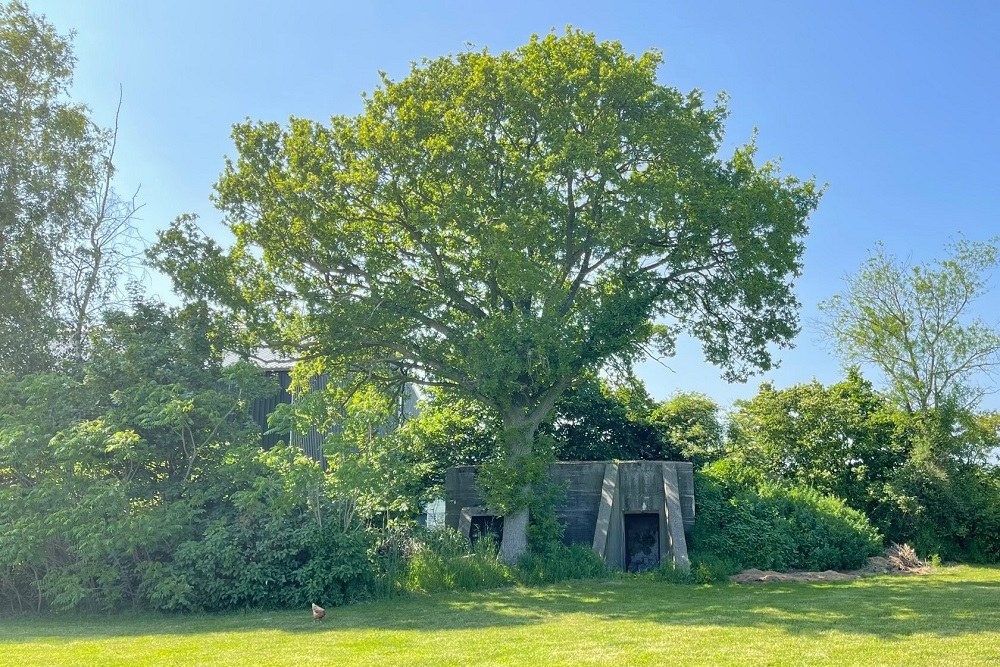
{"x":898,"y":559}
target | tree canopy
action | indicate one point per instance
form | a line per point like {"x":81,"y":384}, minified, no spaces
{"x":46,"y":151}
{"x":839,"y":439}
{"x":914,"y":324}
{"x":500,"y":224}
{"x":67,"y":240}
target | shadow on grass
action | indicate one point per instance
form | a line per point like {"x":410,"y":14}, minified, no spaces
{"x":956,"y":602}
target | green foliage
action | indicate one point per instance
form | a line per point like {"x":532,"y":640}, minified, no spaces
{"x":712,"y":569}
{"x":941,"y":500}
{"x":46,"y":150}
{"x":750,"y":522}
{"x":922,"y":478}
{"x":143,"y":483}
{"x":668,"y":572}
{"x":839,"y":439}
{"x":67,"y":240}
{"x":914,"y":324}
{"x":706,"y":568}
{"x":560,"y":562}
{"x":272,"y":553}
{"x":524,"y":484}
{"x":388,"y":461}
{"x":450,"y":430}
{"x":444,"y":560}
{"x":597,"y":420}
{"x":689,"y":423}
{"x":374,"y":461}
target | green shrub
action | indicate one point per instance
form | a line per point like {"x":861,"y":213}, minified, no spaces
{"x":266,"y":562}
{"x":394,"y":549}
{"x":445,"y":561}
{"x":670,"y":573}
{"x":711,"y":569}
{"x":749,"y":522}
{"x":338,"y":570}
{"x":560,"y":563}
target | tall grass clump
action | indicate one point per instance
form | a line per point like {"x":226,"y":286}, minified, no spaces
{"x":560,"y":562}
{"x":444,"y":560}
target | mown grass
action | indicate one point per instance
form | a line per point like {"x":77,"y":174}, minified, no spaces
{"x":949,"y":618}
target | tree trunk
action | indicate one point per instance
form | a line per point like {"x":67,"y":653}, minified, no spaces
{"x":519,"y":438}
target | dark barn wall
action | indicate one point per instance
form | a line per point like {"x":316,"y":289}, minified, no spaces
{"x":460,"y":491}
{"x":311,"y":442}
{"x":263,"y":407}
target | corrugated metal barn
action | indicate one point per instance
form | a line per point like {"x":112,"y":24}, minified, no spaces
{"x":280,"y":369}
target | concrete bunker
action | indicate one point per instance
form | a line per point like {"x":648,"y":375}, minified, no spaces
{"x":634,"y":514}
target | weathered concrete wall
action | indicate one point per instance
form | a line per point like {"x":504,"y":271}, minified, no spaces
{"x":582,"y":500}
{"x":642,"y":487}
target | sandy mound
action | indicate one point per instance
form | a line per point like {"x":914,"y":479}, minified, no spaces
{"x":898,"y":559}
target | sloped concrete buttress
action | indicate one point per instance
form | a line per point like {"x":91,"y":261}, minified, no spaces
{"x":674,"y":518}
{"x":606,"y":511}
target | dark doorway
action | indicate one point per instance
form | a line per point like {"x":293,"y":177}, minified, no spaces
{"x":486,"y":526}
{"x":642,"y":542}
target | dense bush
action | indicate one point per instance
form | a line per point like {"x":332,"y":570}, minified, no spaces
{"x":138,"y":480}
{"x":750,"y":522}
{"x":926,"y":478}
{"x":265,"y":562}
{"x":945,"y":499}
{"x":839,"y":439}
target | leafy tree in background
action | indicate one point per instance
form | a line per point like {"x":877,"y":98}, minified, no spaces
{"x":501,"y":225}
{"x":690,"y":424}
{"x":46,"y":168}
{"x":68,"y":241}
{"x":596,"y":420}
{"x":942,"y":499}
{"x":925,"y":478}
{"x":840,"y":439}
{"x":914,"y":324}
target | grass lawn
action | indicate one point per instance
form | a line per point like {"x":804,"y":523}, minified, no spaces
{"x":949,"y":618}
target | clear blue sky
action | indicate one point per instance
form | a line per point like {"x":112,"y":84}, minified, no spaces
{"x":896,"y":105}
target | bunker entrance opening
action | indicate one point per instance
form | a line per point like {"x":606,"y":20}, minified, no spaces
{"x":642,"y":542}
{"x":486,"y":526}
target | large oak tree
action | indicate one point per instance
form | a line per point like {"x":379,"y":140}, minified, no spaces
{"x":500,"y":224}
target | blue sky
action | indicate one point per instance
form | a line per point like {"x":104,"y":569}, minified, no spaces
{"x":893,"y":104}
